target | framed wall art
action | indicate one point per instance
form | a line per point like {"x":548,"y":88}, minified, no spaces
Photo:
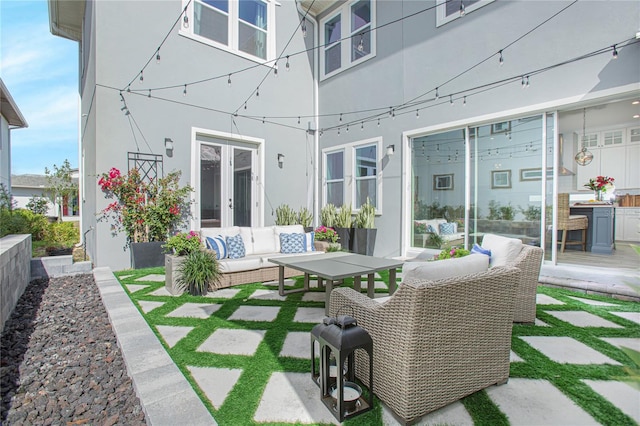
{"x":500,"y":179}
{"x":443,"y":182}
{"x":502,"y":127}
{"x":534,"y":174}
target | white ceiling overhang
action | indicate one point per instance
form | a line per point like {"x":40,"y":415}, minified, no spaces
{"x":65,"y":18}
{"x":318,"y":6}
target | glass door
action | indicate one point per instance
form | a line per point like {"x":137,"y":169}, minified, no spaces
{"x":228,"y":187}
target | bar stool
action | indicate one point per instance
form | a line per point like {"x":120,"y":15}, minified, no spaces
{"x":569,"y":222}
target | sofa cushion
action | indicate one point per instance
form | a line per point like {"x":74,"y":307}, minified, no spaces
{"x":217,"y":244}
{"x":292,"y":243}
{"x":447,"y":228}
{"x":235,"y":247}
{"x":447,"y":268}
{"x":504,"y":250}
{"x":286,"y":229}
{"x":309,"y":241}
{"x":247,"y":239}
{"x":225,"y":232}
{"x":264,"y":240}
{"x":238,"y":265}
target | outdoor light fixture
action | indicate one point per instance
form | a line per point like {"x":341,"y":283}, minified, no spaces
{"x":280,"y":160}
{"x":168,"y":144}
{"x":391,"y":149}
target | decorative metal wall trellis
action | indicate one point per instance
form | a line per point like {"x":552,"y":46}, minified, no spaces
{"x":150,"y":166}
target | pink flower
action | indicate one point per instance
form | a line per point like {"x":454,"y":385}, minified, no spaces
{"x":114,"y":173}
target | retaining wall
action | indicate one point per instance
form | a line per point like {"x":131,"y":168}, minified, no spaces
{"x":15,"y":272}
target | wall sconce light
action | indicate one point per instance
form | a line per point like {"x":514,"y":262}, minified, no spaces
{"x":280,"y":160}
{"x":168,"y":144}
{"x":391,"y":149}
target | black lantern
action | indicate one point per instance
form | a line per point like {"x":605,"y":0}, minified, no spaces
{"x":315,"y":337}
{"x":339,"y":340}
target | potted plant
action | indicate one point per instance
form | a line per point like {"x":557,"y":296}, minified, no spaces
{"x":285,"y":215}
{"x":364,"y":234}
{"x":177,"y":248}
{"x":305,"y":218}
{"x":146,"y":211}
{"x":198,"y":273}
{"x":328,"y":215}
{"x":326,"y":238}
{"x":343,"y":226}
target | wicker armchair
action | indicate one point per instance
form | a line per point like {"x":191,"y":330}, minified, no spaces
{"x":568,"y":222}
{"x":528,"y":261}
{"x":435,"y":342}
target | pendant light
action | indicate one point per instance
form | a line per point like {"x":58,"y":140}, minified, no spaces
{"x":584,"y":157}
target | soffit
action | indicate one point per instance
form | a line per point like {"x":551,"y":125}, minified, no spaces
{"x":65,"y":18}
{"x":316,"y":7}
{"x":9,"y":109}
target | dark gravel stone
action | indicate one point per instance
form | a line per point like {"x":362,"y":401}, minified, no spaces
{"x":60,"y":362}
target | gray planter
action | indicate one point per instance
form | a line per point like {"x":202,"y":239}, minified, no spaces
{"x":364,"y":241}
{"x":147,"y":255}
{"x":346,"y":237}
{"x":171,"y":266}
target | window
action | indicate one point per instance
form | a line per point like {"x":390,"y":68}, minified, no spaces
{"x":449,"y":10}
{"x":244,"y":27}
{"x":351,"y":174}
{"x":354,"y":20}
{"x":335,"y":178}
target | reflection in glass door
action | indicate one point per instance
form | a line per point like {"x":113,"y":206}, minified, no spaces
{"x":227,"y":185}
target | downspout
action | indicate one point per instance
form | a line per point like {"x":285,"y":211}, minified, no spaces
{"x":316,"y":119}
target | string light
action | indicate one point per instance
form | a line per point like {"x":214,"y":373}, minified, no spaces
{"x":185,"y":19}
{"x":158,"y":56}
{"x":464,"y":101}
{"x":362,"y":125}
{"x":341,"y":117}
{"x":262,"y":120}
{"x":615,"y":52}
{"x":298,"y":119}
{"x":378,"y":122}
{"x":338,"y":131}
{"x":287,"y":64}
{"x":451,"y":100}
{"x":258,"y":92}
{"x":347,"y":128}
{"x":527,"y":83}
{"x":141,"y":76}
{"x":229,"y":80}
{"x":184,"y":92}
{"x":390,"y":111}
{"x":149,"y":95}
{"x":245,"y":105}
{"x":417,"y":113}
{"x":275,"y":69}
{"x":129,"y":89}
{"x":522,"y":83}
{"x":303,"y":27}
{"x":463,"y":10}
{"x":393,"y":114}
{"x":437,"y":95}
{"x":501,"y":61}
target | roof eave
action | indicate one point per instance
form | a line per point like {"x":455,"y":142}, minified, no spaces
{"x":65,"y":18}
{"x":9,"y":108}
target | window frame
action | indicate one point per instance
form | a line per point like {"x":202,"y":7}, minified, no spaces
{"x":349,"y":173}
{"x":327,"y":181}
{"x":441,"y":11}
{"x":347,"y":34}
{"x":233,"y":35}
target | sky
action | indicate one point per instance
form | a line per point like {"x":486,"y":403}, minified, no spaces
{"x":41,"y":72}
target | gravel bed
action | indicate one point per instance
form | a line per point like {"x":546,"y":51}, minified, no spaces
{"x":60,"y":362}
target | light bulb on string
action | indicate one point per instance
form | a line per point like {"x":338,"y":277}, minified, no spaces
{"x":341,"y":117}
{"x":184,"y":92}
{"x":141,"y":76}
{"x":362,"y":125}
{"x":262,"y":120}
{"x":615,"y":52}
{"x":245,"y":105}
{"x":287,"y":66}
{"x":390,"y":111}
{"x":258,"y":92}
{"x":338,"y":131}
{"x":437,"y":95}
{"x":378,"y":122}
{"x":158,"y":56}
{"x":298,"y":119}
{"x":417,"y":113}
{"x":463,"y":10}
{"x":303,"y":27}
{"x":526,"y":84}
{"x":393,"y":114}
{"x":451,"y":100}
{"x":149,"y":95}
{"x":229,"y":81}
{"x":501,"y":60}
{"x":347,"y":128}
{"x":185,"y":20}
{"x":275,"y":69}
{"x":464,"y":101}
{"x":128,"y":89}
{"x":522,"y":83}
{"x":361,"y":43}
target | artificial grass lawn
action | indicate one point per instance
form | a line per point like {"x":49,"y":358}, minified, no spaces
{"x":242,"y":402}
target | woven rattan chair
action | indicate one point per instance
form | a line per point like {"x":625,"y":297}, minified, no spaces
{"x":435,"y":342}
{"x":568,"y":222}
{"x":528,"y":261}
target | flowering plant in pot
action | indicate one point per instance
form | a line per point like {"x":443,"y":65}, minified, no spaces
{"x":600,"y":185}
{"x":183,"y":243}
{"x":145,"y":211}
{"x":322,"y":233}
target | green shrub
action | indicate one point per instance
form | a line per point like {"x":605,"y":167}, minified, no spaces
{"x":198,"y":273}
{"x":328,"y":215}
{"x":285,"y":215}
{"x":62,"y":234}
{"x":22,"y":221}
{"x":183,"y":243}
{"x":343,"y":218}
{"x":305,"y":218}
{"x":38,"y":205}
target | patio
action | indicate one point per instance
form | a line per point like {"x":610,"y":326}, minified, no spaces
{"x":263,"y":376}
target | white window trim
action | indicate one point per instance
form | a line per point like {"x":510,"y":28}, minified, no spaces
{"x":234,"y":19}
{"x":325,"y":181}
{"x":349,"y":171}
{"x":345,"y":43}
{"x":441,"y":11}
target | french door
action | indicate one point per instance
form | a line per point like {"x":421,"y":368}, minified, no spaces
{"x":227,"y":192}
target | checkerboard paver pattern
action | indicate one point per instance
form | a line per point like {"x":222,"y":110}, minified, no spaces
{"x":221,"y":330}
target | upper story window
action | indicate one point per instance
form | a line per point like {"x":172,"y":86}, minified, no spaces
{"x":355,"y":20}
{"x":244,"y":27}
{"x":448,"y":10}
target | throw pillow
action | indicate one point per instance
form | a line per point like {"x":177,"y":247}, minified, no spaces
{"x":447,"y":268}
{"x":217,"y":244}
{"x":309,"y":240}
{"x":235,"y":247}
{"x":504,"y":250}
{"x":479,"y":250}
{"x":292,"y":243}
{"x":447,"y":228}
{"x":431,"y":229}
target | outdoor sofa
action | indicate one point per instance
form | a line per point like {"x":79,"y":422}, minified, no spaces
{"x":435,"y":342}
{"x":259,"y":244}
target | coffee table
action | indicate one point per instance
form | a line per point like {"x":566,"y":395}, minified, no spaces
{"x":336,"y":266}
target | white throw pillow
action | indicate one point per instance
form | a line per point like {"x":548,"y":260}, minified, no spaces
{"x":504,"y":250}
{"x":447,"y":268}
{"x":264,"y":240}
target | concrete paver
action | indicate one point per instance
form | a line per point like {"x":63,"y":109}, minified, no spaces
{"x":314,"y":315}
{"x":543,"y":299}
{"x":296,"y":345}
{"x":583,"y":319}
{"x":148,"y":306}
{"x":566,"y":350}
{"x":314,"y":296}
{"x":216,"y":383}
{"x":135,"y":287}
{"x":232,"y":342}
{"x":159,"y":278}
{"x":622,"y":395}
{"x":195,"y":310}
{"x":255,"y":313}
{"x":592,"y":302}
{"x":223,"y":293}
{"x":172,"y":334}
{"x":267,"y":295}
{"x":623,"y":342}
{"x":631,"y":316}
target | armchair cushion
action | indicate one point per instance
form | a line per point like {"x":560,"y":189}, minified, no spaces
{"x":503,"y":250}
{"x":447,"y":268}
